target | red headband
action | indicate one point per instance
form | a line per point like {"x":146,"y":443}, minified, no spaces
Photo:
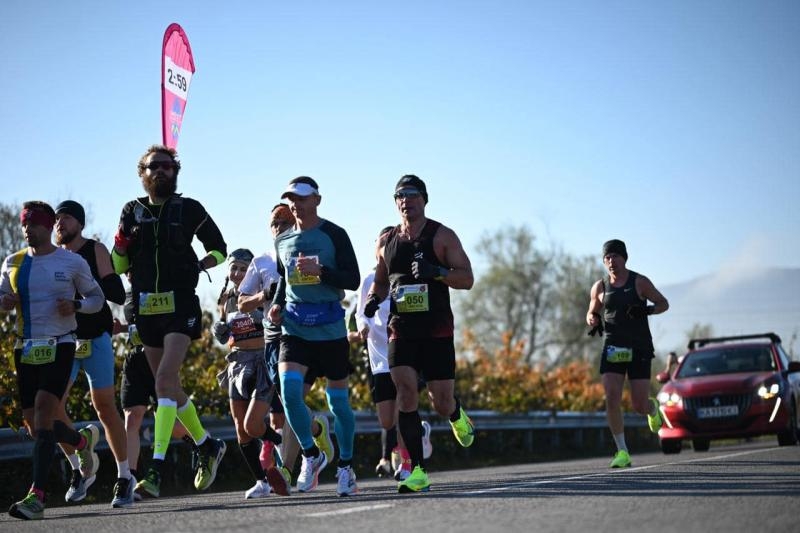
{"x":37,"y":216}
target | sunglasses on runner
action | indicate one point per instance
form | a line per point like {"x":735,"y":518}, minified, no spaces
{"x":153,"y":165}
{"x":407,"y":194}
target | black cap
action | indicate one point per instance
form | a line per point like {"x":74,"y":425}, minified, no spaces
{"x":71,"y":207}
{"x":410,"y":181}
{"x":615,"y":246}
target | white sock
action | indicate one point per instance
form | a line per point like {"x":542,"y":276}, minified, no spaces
{"x":74,"y":462}
{"x":123,"y":470}
{"x":619,"y":439}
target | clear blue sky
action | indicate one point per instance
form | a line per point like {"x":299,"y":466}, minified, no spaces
{"x":672,"y":125}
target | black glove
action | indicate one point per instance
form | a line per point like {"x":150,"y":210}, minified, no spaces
{"x":637,"y":311}
{"x":371,"y":307}
{"x":597,"y":330}
{"x":421,"y":269}
{"x":221,"y":331}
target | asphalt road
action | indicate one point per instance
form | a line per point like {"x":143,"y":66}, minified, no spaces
{"x":747,"y":488}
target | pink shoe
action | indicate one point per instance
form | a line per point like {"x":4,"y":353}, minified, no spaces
{"x":266,"y":459}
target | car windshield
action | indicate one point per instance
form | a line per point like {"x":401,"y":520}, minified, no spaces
{"x":726,"y":360}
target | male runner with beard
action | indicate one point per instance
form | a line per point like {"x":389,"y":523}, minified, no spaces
{"x":95,"y":355}
{"x":154,"y":243}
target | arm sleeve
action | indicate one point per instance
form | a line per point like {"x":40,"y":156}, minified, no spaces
{"x":113,"y":289}
{"x":209,"y":234}
{"x":345,"y":275}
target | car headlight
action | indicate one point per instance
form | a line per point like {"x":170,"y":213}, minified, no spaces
{"x":669,"y":399}
{"x":768,"y":390}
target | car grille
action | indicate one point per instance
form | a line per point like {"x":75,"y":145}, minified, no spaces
{"x":691,"y":405}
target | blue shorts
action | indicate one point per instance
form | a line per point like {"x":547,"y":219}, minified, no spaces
{"x":99,"y":365}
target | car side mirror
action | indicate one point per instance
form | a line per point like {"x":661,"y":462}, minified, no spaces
{"x":662,"y":377}
{"x":794,"y":366}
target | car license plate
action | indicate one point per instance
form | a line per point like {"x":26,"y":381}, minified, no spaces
{"x":717,"y":412}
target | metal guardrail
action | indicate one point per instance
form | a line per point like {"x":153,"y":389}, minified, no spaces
{"x":19,"y":445}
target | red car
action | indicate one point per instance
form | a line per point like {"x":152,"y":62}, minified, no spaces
{"x":730,"y":387}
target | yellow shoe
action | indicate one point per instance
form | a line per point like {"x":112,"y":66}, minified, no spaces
{"x":323,"y":440}
{"x":654,"y":421}
{"x":463,"y":430}
{"x":621,"y":460}
{"x":416,"y":482}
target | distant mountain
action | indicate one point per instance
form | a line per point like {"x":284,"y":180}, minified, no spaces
{"x":733,"y":303}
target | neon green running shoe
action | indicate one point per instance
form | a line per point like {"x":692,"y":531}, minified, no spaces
{"x":29,"y":508}
{"x":463,"y":430}
{"x":89,"y":461}
{"x":654,"y":421}
{"x":416,"y":482}
{"x":621,"y":460}
{"x":211,"y":453}
{"x":150,"y":486}
{"x":323,"y":440}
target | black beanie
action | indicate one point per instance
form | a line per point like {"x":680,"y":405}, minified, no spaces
{"x":615,"y":246}
{"x":71,"y":207}
{"x":410,"y":181}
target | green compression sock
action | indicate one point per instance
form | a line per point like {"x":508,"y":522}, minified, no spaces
{"x":187,"y":414}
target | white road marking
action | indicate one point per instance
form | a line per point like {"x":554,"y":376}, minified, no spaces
{"x":349,"y":510}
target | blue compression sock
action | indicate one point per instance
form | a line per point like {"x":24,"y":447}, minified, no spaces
{"x":344,"y":423}
{"x":295,"y":407}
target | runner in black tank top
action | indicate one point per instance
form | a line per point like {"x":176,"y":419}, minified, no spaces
{"x":417,"y":266}
{"x":437,"y":321}
{"x":621,"y":297}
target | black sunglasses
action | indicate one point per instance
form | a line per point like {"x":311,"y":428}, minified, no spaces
{"x":153,"y":165}
{"x":407,"y":194}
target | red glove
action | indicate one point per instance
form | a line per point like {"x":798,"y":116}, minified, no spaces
{"x":121,"y":241}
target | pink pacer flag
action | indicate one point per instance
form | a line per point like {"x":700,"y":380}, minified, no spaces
{"x":177,"y":67}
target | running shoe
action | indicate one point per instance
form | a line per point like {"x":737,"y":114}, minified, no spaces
{"x":427,"y":446}
{"x":323,"y":440}
{"x":463,"y":429}
{"x":259,"y":490}
{"x":654,"y":421}
{"x":150,"y":486}
{"x":123,"y":492}
{"x":265,"y":457}
{"x":309,"y":472}
{"x":416,"y":482}
{"x":397,"y":460}
{"x":280,"y":480}
{"x":211,"y":453}
{"x":346,"y":481}
{"x":29,"y":508}
{"x":78,"y":487}
{"x":88,"y":458}
{"x":403,"y":469}
{"x":383,"y":468}
{"x":402,"y":473}
{"x":621,"y":460}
